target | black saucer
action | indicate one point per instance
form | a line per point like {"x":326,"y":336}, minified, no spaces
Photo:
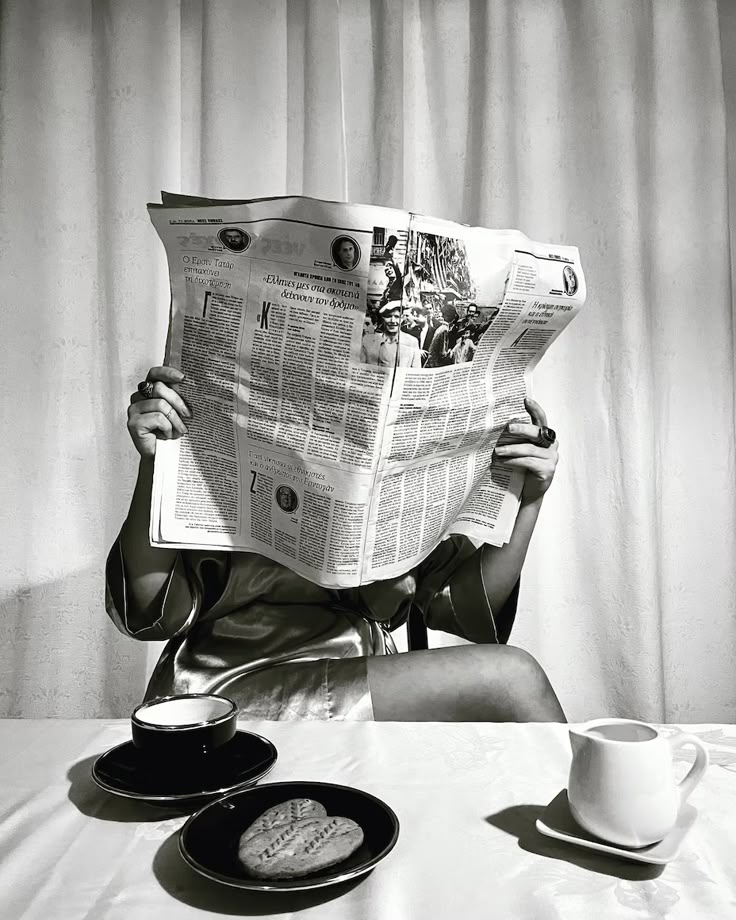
{"x":209,"y":840}
{"x":126,"y":772}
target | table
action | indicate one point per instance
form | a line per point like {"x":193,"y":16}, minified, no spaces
{"x":467,"y":796}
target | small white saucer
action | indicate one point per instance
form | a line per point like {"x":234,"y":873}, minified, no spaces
{"x":557,"y":822}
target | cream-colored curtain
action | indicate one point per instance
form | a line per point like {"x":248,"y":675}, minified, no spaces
{"x":602,"y":123}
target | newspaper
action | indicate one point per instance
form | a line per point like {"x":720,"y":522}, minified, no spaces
{"x":351,"y":369}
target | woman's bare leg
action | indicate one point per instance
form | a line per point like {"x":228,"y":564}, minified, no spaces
{"x":479,"y":683}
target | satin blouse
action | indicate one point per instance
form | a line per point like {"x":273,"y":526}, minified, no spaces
{"x":282,"y":647}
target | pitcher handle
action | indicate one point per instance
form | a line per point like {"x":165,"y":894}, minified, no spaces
{"x":695,"y":773}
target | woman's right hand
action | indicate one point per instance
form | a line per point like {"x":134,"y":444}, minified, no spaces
{"x":162,"y":415}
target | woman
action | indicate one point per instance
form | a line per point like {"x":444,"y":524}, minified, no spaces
{"x":282,"y":647}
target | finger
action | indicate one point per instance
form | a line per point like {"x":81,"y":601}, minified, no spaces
{"x":539,"y":416}
{"x":162,"y":391}
{"x":523,"y":431}
{"x":530,"y":464}
{"x":157,"y":407}
{"x":151,"y":423}
{"x":165,"y":374}
{"x":176,"y":422}
{"x":511,"y":451}
{"x":137,"y":396}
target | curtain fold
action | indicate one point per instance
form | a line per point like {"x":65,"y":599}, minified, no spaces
{"x":607,"y":125}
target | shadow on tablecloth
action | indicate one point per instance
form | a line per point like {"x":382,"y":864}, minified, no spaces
{"x":520,"y":820}
{"x":87,"y":797}
{"x":180,"y":881}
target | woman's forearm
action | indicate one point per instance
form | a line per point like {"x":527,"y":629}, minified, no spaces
{"x":147,"y":568}
{"x":501,"y":565}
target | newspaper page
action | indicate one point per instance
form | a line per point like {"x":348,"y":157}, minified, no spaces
{"x":351,"y":369}
{"x":497,"y":302}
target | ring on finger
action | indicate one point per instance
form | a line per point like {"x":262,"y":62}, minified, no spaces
{"x":145,"y":388}
{"x":546,"y":437}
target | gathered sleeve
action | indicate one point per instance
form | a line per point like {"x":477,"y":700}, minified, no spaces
{"x":452,"y":595}
{"x":180,"y":602}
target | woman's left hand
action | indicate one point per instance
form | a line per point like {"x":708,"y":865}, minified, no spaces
{"x":538,"y":463}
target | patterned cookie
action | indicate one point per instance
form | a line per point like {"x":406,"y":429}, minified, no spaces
{"x":304,"y":846}
{"x":284,"y":813}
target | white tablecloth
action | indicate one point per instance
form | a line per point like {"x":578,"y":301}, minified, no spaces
{"x":467,"y":796}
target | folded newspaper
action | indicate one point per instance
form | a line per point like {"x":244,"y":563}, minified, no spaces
{"x":351,"y":369}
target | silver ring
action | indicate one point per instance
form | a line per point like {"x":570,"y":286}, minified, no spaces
{"x":145,"y":388}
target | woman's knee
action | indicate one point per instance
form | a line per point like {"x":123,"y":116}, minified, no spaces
{"x":519,"y":684}
{"x":467,"y":683}
{"x":516,"y":664}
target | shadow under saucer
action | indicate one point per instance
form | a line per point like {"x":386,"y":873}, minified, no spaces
{"x":521,"y":822}
{"x":90,"y":800}
{"x":559,"y":823}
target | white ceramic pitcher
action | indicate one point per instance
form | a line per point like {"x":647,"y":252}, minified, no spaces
{"x":622,"y":786}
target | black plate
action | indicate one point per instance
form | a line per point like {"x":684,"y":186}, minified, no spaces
{"x":125,"y":771}
{"x":209,"y":840}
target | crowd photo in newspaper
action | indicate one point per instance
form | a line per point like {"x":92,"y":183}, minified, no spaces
{"x":354,"y":367}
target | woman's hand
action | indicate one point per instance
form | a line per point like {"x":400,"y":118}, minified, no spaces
{"x":162,"y":415}
{"x":538,"y":463}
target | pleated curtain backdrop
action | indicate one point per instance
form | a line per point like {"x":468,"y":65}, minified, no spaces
{"x":597,"y":123}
